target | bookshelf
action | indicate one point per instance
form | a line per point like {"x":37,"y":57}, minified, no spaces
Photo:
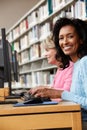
{"x":28,"y":33}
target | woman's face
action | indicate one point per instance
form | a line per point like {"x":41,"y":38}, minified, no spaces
{"x":69,"y":41}
{"x":50,"y":55}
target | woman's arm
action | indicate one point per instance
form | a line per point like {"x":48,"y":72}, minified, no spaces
{"x":78,"y":92}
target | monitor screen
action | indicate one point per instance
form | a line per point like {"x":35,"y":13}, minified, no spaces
{"x":8,"y":62}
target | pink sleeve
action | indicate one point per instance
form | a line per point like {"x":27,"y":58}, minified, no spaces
{"x":68,"y":79}
{"x":63,"y":78}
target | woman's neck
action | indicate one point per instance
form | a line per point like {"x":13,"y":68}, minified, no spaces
{"x":74,"y":58}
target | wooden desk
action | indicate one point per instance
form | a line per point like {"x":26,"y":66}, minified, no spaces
{"x":63,"y":115}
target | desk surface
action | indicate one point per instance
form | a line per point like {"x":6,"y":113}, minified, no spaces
{"x":62,"y":115}
{"x":60,"y":107}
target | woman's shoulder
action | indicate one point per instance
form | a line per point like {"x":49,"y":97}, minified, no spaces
{"x":83,"y":59}
{"x":82,"y":66}
{"x":70,"y":67}
{"x":71,"y":63}
{"x":83,"y":62}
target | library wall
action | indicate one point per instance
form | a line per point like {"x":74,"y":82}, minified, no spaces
{"x":29,"y":33}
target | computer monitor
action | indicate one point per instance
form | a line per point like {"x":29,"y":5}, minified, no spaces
{"x":7,"y":64}
{"x":15,"y":65}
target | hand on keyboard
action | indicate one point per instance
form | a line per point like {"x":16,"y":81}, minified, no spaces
{"x":28,"y":98}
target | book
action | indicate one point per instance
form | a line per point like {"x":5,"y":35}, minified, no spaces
{"x":50,"y":6}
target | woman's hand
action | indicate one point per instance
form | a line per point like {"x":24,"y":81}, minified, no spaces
{"x":45,"y":92}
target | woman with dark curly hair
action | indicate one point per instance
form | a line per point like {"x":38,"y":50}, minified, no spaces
{"x":70,"y":38}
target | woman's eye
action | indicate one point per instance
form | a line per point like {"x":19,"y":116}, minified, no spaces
{"x":70,"y":36}
{"x":61,"y":38}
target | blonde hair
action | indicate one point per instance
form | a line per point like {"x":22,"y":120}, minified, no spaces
{"x":49,"y":43}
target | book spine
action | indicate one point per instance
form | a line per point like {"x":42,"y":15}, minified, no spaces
{"x":50,"y":7}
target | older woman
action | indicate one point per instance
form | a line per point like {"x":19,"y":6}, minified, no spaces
{"x":63,"y":76}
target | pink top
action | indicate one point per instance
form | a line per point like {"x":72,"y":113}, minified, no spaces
{"x":63,"y":78}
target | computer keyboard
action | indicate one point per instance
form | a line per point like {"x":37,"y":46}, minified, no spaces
{"x":12,"y":97}
{"x":19,"y":92}
{"x":36,"y":100}
{"x":28,"y":98}
{"x":8,"y":102}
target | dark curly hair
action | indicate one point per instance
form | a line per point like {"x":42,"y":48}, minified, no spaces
{"x":81,"y":29}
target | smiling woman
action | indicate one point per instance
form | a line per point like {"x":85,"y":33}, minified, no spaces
{"x":68,"y":41}
{"x":70,"y":38}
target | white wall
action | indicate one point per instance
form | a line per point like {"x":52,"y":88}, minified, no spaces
{"x":12,"y":10}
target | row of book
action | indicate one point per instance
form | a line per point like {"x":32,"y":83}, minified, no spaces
{"x":37,"y":78}
{"x":39,"y":32}
{"x":35,"y":17}
{"x":34,"y":34}
{"x":34,"y":52}
{"x":81,"y":9}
